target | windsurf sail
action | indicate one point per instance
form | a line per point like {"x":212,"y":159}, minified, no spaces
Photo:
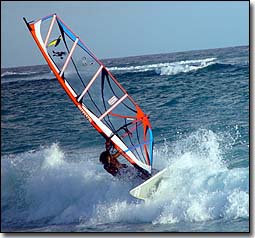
{"x":95,"y":91}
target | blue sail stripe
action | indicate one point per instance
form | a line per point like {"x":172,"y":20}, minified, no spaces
{"x":151,"y":146}
{"x":133,"y":147}
{"x":73,"y":38}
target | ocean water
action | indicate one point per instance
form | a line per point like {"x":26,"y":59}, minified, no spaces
{"x":198,"y":102}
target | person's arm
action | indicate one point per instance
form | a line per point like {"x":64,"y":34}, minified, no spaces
{"x":116,"y":155}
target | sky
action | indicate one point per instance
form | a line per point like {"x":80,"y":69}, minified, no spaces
{"x":123,"y":28}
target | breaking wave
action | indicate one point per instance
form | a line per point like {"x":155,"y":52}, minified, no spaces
{"x":16,"y":74}
{"x":25,"y":73}
{"x":10,"y":77}
{"x":46,"y":185}
{"x":169,"y":68}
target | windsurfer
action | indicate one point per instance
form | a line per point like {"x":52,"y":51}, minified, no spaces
{"x":110,"y":162}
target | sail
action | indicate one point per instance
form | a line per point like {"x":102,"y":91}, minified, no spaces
{"x":95,"y":91}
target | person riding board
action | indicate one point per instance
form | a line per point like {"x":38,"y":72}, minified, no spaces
{"x":110,"y":162}
{"x":113,"y":166}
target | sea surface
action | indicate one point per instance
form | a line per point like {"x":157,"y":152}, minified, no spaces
{"x":198,"y":102}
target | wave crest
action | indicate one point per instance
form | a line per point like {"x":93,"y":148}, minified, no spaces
{"x":169,"y":68}
{"x":61,"y":189}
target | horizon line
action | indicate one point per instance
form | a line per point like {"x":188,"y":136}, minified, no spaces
{"x":135,"y":56}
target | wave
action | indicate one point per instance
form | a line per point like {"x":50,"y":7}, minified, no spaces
{"x":200,"y":187}
{"x":218,"y":66}
{"x":52,"y":186}
{"x":12,"y":77}
{"x":26,"y":73}
{"x":185,"y":66}
{"x":169,"y":68}
{"x":17,"y":74}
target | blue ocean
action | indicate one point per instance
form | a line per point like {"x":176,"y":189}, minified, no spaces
{"x":198,"y":102}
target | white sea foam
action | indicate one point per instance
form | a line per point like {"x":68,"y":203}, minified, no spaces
{"x":17,"y":77}
{"x":169,"y":68}
{"x":11,"y":73}
{"x":12,"y":76}
{"x":49,"y":184}
{"x":199,"y":187}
